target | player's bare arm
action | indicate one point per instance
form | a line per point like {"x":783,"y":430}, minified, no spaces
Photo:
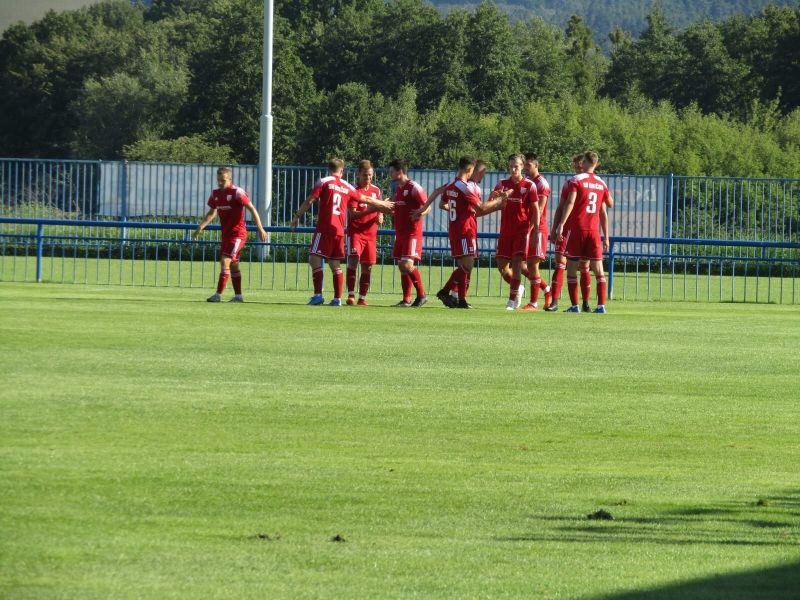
{"x":382,"y":205}
{"x":609,"y":201}
{"x":566,"y":210}
{"x":604,"y":227}
{"x":204,"y":223}
{"x":301,"y":211}
{"x":426,"y":208}
{"x":262,"y":234}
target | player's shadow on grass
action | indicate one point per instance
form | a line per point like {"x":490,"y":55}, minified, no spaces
{"x":775,"y":583}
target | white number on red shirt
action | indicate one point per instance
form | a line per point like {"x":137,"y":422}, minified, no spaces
{"x":591,"y":208}
{"x":452,"y":206}
{"x":337,"y":204}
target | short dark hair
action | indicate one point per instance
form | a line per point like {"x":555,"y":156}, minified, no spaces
{"x":222,"y":170}
{"x":591,"y":157}
{"x":466,"y":161}
{"x":398,"y":164}
{"x":532,"y":156}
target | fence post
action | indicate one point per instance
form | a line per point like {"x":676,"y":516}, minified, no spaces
{"x":123,"y":184}
{"x":611,"y":270}
{"x":670,"y":192}
{"x":39,"y":251}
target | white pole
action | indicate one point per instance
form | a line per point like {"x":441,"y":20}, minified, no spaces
{"x":265,"y":126}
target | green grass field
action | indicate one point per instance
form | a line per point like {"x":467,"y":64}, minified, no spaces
{"x":156,"y":446}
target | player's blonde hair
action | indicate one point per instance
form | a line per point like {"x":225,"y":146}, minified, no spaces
{"x":335,"y":165}
{"x":591,"y":157}
{"x":365,"y":164}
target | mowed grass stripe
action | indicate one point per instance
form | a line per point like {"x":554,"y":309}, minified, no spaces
{"x":148,"y":438}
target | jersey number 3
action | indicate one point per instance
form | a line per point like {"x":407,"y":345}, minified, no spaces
{"x":591,"y":208}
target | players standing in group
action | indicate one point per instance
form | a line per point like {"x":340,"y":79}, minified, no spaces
{"x":333,"y":194}
{"x":587,"y":197}
{"x":362,"y":235}
{"x":229,"y":202}
{"x":537,"y":246}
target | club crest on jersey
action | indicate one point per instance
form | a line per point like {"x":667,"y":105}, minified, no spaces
{"x":228,"y":197}
{"x":405,"y":192}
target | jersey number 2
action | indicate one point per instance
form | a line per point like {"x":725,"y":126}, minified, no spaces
{"x":337,"y":204}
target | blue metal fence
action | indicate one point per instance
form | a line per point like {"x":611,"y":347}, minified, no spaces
{"x":685,"y":233}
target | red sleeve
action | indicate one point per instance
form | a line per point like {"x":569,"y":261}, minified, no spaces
{"x":421,"y":195}
{"x":211,"y":202}
{"x":241,"y":196}
{"x":317,"y":190}
{"x":572,"y":186}
{"x":473,"y":198}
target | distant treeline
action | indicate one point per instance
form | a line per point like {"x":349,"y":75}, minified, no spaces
{"x":181,"y":80}
{"x":631,"y":16}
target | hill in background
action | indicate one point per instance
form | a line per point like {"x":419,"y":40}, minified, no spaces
{"x":629,"y":15}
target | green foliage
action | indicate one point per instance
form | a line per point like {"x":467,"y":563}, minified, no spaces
{"x":185,"y":149}
{"x":388,"y":78}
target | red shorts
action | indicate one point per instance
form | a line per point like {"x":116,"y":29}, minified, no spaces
{"x":583,"y":244}
{"x":463,"y":246}
{"x":512,"y":245}
{"x":364,"y":247}
{"x":328,"y":245}
{"x":537,"y":248}
{"x":232,"y":248}
{"x":407,"y":247}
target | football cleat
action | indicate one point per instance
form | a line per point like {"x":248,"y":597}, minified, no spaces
{"x":402,"y":304}
{"x":520,"y":296}
{"x":362,"y":302}
{"x":419,"y":301}
{"x":511,"y":305}
{"x":351,"y":300}
{"x":463,"y":304}
{"x":573,"y":309}
{"x":214,"y":298}
{"x":237,"y":298}
{"x":446,"y":299}
{"x":553,"y":307}
{"x":548,"y":298}
{"x":316,"y":300}
{"x":600,"y":310}
{"x":530,"y":306}
{"x":335,"y":302}
{"x":586,"y":307}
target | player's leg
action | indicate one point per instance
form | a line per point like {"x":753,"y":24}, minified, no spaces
{"x":415,"y":253}
{"x":586,"y":284}
{"x":557,"y":282}
{"x":317,"y":275}
{"x":224,"y":276}
{"x":602,"y":286}
{"x":405,"y":265}
{"x":352,"y":269}
{"x":572,"y":284}
{"x":364,"y":282}
{"x":338,"y":281}
{"x":465,"y":266}
{"x":535,"y":277}
{"x":515,"y":287}
{"x":236,"y":280}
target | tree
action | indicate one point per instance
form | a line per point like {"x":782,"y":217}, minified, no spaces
{"x":185,"y":149}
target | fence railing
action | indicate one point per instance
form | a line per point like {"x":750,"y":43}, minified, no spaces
{"x":666,"y":227}
{"x":60,"y":250}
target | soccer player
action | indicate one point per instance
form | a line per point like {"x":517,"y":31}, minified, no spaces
{"x":408,"y":197}
{"x":229,"y":202}
{"x":537,"y":247}
{"x":587,"y":195}
{"x":560,"y":247}
{"x":464,"y":204}
{"x":333,"y":194}
{"x":475,"y":178}
{"x":521,"y":207}
{"x":362,"y":235}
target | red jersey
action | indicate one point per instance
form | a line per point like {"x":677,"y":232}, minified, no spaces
{"x":462,"y":197}
{"x":334,"y":194}
{"x":543,"y":189}
{"x":591,"y":193}
{"x":408,"y":197}
{"x":515,"y":219}
{"x":367,"y":224}
{"x":230,"y":203}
